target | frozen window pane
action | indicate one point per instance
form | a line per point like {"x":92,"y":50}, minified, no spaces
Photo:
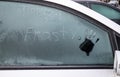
{"x":39,"y":35}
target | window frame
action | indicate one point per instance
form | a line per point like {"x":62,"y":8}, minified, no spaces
{"x":76,"y":13}
{"x":115,"y":35}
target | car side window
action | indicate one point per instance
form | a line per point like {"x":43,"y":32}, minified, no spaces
{"x":36,"y":35}
{"x":106,"y":11}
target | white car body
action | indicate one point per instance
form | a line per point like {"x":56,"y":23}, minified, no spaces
{"x":69,"y":72}
{"x":59,"y":73}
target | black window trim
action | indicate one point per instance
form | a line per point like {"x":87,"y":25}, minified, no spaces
{"x":74,"y":12}
{"x":118,"y":35}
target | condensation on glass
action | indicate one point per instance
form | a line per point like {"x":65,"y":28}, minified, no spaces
{"x":39,"y":35}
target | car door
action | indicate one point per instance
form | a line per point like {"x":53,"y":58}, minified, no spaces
{"x":47,"y":39}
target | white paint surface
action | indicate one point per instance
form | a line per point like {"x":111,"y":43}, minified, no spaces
{"x":58,"y":73}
